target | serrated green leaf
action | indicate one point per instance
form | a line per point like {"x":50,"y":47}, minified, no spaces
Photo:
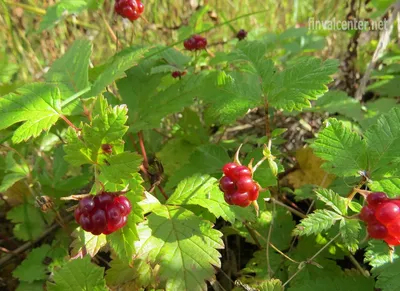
{"x":35,"y":286}
{"x":349,"y":231}
{"x":78,"y":275}
{"x":337,"y":283}
{"x":115,"y":69}
{"x":343,"y":150}
{"x":72,"y":68}
{"x":388,"y":276}
{"x":206,"y":159}
{"x":304,"y":79}
{"x":204,"y":191}
{"x":9,"y":180}
{"x":258,"y":265}
{"x":378,"y":255}
{"x":121,"y":166}
{"x":86,"y":243}
{"x":270,"y":285}
{"x":332,"y":199}
{"x":32,"y":268}
{"x":317,"y":222}
{"x":391,"y":186}
{"x":183,"y":245}
{"x":383,"y":141}
{"x":38,"y":105}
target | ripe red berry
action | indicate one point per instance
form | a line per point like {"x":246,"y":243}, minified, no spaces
{"x":391,"y":240}
{"x":394,"y":228}
{"x":227,"y":168}
{"x":86,"y":205}
{"x":377,"y":230}
{"x":228,"y":198}
{"x":367,"y":214}
{"x":253,"y":193}
{"x":227,"y":185}
{"x":374,"y":199}
{"x":107,"y":148}
{"x":245,"y":184}
{"x":177,"y":74}
{"x":113,"y":213}
{"x":103,"y":199}
{"x":240,"y":199}
{"x":131,"y":9}
{"x":241,"y":34}
{"x":239,"y":172}
{"x":195,"y":42}
{"x":86,"y":222}
{"x":124,"y":204}
{"x":99,"y":221}
{"x":387,"y":212}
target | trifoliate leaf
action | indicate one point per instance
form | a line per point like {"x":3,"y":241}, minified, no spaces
{"x":383,"y":145}
{"x":333,"y":200}
{"x":78,"y":275}
{"x":72,"y":68}
{"x":206,"y":159}
{"x":204,"y":191}
{"x":336,"y":283}
{"x":28,"y":220}
{"x":183,"y":245}
{"x":349,"y":231}
{"x":40,"y":109}
{"x":86,"y":243}
{"x":32,"y":268}
{"x":107,"y":127}
{"x":121,"y":167}
{"x":317,"y":222}
{"x":343,"y":150}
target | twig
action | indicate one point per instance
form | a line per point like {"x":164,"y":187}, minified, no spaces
{"x":357,"y":265}
{"x":294,"y":211}
{"x":252,"y":234}
{"x":383,"y":43}
{"x":143,"y":150}
{"x":269,"y":240}
{"x":63,"y":117}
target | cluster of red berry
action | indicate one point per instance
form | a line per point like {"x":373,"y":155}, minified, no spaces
{"x":103,"y":213}
{"x":238,"y":185}
{"x":382,"y":216}
{"x":130,"y":9}
{"x":178,"y":74}
{"x":241,"y":34}
{"x":195,"y":43}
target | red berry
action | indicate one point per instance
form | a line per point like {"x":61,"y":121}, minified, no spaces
{"x":253,"y":193}
{"x":190,"y":44}
{"x":227,"y":168}
{"x":241,"y":34}
{"x":394,"y":228}
{"x":99,"y":221}
{"x":113,"y":213}
{"x":392,"y":241}
{"x":130,"y":9}
{"x":107,"y":148}
{"x":374,"y":199}
{"x":195,"y":42}
{"x":86,"y":205}
{"x":367,"y":214}
{"x":124,"y":205}
{"x":227,"y":185}
{"x":228,"y":198}
{"x":103,"y":199}
{"x":377,"y":230}
{"x":240,"y":199}
{"x":86,"y":222}
{"x":245,"y":184}
{"x":177,"y":74}
{"x":77,"y":214}
{"x":387,"y":212}
{"x":239,"y":172}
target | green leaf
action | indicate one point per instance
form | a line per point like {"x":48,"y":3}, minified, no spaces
{"x":391,"y":186}
{"x":258,"y":265}
{"x":115,"y":68}
{"x":270,"y":285}
{"x":107,"y":127}
{"x":333,"y":200}
{"x":39,"y":105}
{"x":343,"y":150}
{"x":7,"y":68}
{"x":183,"y":245}
{"x":78,"y":275}
{"x":349,"y":231}
{"x":388,"y":276}
{"x":378,"y":255}
{"x":204,"y":191}
{"x":317,"y":222}
{"x":305,"y":79}
{"x":9,"y":180}
{"x":383,"y":141}
{"x":28,"y":220}
{"x":121,"y":166}
{"x":337,"y":283}
{"x":35,"y":286}
{"x":206,"y":159}
{"x":86,"y":243}
{"x":32,"y":268}
{"x":60,"y":10}
{"x":72,"y":68}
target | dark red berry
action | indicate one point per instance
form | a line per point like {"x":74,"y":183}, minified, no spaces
{"x":245,"y":184}
{"x":86,"y":205}
{"x":103,"y":199}
{"x":367,"y":214}
{"x":228,"y":198}
{"x":239,"y":172}
{"x":391,"y":240}
{"x":77,"y":214}
{"x":195,"y":42}
{"x":124,"y":205}
{"x":240,"y":199}
{"x":241,"y":34}
{"x":253,"y":193}
{"x":107,"y":148}
{"x":113,"y":213}
{"x":99,"y":220}
{"x":374,"y":199}
{"x":130,"y":9}
{"x":177,"y":74}
{"x":377,"y":230}
{"x":86,"y":222}
{"x":387,"y":212}
{"x":227,"y":185}
{"x":227,"y":168}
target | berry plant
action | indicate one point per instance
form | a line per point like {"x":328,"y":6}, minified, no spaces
{"x":199,"y":145}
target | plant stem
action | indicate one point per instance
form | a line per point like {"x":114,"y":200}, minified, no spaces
{"x":253,"y":235}
{"x":143,"y":150}
{"x":357,"y":265}
{"x":63,"y":117}
{"x":267,"y":121}
{"x":294,"y":211}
